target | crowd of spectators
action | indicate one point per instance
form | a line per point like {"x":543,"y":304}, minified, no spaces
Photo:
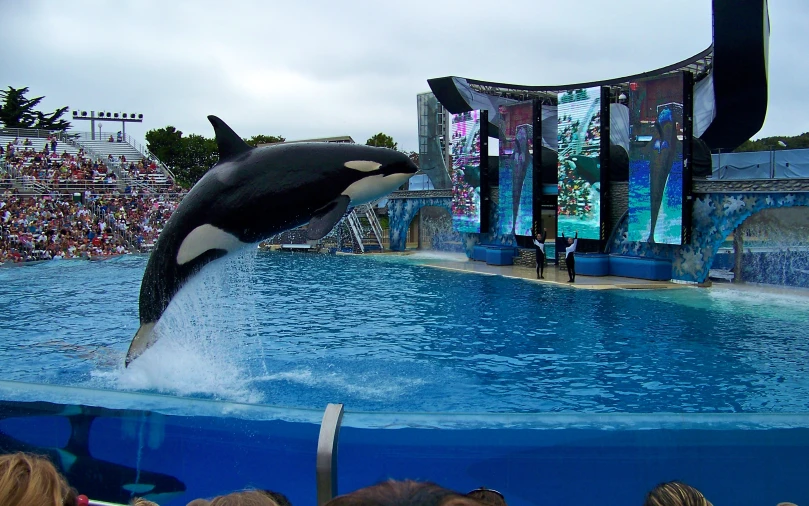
{"x":83,"y":210}
{"x":67,"y":171}
{"x":52,"y":169}
{"x":95,"y":226}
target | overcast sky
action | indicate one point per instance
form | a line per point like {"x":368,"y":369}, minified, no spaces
{"x":322,"y":68}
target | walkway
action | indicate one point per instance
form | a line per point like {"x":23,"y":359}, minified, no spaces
{"x":552,"y":276}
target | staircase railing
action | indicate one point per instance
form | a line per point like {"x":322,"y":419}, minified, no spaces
{"x":356,"y":229}
{"x":373,"y":221}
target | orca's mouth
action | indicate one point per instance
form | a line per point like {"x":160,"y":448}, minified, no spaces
{"x":399,"y":168}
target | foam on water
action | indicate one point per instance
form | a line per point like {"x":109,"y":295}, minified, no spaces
{"x":205,"y":338}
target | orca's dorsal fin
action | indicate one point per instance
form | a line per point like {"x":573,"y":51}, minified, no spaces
{"x":228,"y":142}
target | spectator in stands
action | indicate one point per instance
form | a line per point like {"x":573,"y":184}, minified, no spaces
{"x":110,"y":139}
{"x":53,"y":144}
{"x":675,"y":493}
{"x":404,"y":493}
{"x":29,"y":480}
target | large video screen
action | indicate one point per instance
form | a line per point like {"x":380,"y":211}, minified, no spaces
{"x":579,"y":163}
{"x":466,"y":171}
{"x":516,"y":210}
{"x":656,"y":160}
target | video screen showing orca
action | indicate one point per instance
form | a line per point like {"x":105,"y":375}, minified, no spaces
{"x":466,"y":171}
{"x":515,"y":212}
{"x":579,"y":164}
{"x":656,"y":160}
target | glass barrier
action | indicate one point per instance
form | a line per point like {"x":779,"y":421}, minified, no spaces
{"x":172,"y":450}
{"x":114,"y":454}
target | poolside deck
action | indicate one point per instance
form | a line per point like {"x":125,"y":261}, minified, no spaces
{"x":553,"y":275}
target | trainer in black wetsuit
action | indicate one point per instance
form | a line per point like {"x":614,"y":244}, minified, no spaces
{"x":539,"y":244}
{"x":570,"y":257}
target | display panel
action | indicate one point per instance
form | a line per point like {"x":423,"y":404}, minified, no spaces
{"x":465,"y":147}
{"x":516,"y":210}
{"x":579,"y":163}
{"x":657,"y":132}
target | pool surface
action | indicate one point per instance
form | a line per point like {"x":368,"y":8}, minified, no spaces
{"x":384,"y":333}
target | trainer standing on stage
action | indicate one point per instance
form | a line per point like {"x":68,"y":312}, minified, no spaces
{"x":570,"y":257}
{"x":539,"y":243}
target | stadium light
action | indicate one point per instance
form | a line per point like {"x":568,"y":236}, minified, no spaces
{"x":124,"y":118}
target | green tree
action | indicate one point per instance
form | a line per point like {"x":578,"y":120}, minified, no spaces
{"x":414,"y":157}
{"x":19,"y":112}
{"x":264,"y":139}
{"x":382,"y":141}
{"x":167,"y":145}
{"x":191,"y":157}
{"x":771,"y":143}
{"x":198,"y":155}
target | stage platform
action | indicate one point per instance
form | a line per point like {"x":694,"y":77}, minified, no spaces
{"x":553,"y":275}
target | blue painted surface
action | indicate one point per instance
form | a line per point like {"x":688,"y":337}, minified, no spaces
{"x":655,"y":269}
{"x":592,"y":264}
{"x":530,"y":466}
{"x":714,"y":217}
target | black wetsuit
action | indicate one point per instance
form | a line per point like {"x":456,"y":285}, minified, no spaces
{"x":539,"y":244}
{"x":570,"y":258}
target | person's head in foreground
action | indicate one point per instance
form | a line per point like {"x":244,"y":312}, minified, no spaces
{"x":139,"y":501}
{"x":488,"y":497}
{"x":675,"y":493}
{"x":243,"y":498}
{"x":32,"y":480}
{"x":403,"y":493}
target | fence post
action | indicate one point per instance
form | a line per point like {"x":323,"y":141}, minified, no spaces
{"x":326,"y":466}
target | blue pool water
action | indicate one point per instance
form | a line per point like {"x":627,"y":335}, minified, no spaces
{"x":385,"y":333}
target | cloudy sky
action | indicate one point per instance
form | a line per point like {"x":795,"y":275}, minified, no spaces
{"x":321,"y":68}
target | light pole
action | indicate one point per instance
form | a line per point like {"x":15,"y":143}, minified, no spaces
{"x":124,"y":118}
{"x":772,"y":158}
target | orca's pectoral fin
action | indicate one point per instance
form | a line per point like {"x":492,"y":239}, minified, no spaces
{"x":327,"y":217}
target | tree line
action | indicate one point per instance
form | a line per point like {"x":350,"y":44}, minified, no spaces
{"x":190,"y":157}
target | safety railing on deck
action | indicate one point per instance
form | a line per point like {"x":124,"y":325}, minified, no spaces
{"x":776,"y":164}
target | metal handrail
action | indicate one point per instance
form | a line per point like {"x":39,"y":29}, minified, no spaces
{"x":356,"y":228}
{"x":326,"y":463}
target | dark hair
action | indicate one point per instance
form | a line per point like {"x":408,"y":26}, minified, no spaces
{"x":488,"y":497}
{"x":675,"y":493}
{"x":403,"y":493}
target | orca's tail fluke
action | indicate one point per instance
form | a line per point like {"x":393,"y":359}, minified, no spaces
{"x":144,"y":338}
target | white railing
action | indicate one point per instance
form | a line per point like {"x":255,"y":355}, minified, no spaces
{"x":373,"y":221}
{"x":356,"y":229}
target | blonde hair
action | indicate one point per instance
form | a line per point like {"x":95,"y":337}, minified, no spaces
{"x":244,"y":498}
{"x":675,"y":493}
{"x":29,"y":479}
{"x":140,"y":501}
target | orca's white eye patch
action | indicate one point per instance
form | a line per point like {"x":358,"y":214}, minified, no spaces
{"x":363,"y":165}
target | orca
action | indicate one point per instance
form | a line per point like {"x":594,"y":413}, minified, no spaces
{"x":662,"y":155}
{"x":252,"y":194}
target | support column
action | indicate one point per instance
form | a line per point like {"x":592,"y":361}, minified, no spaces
{"x":738,"y":251}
